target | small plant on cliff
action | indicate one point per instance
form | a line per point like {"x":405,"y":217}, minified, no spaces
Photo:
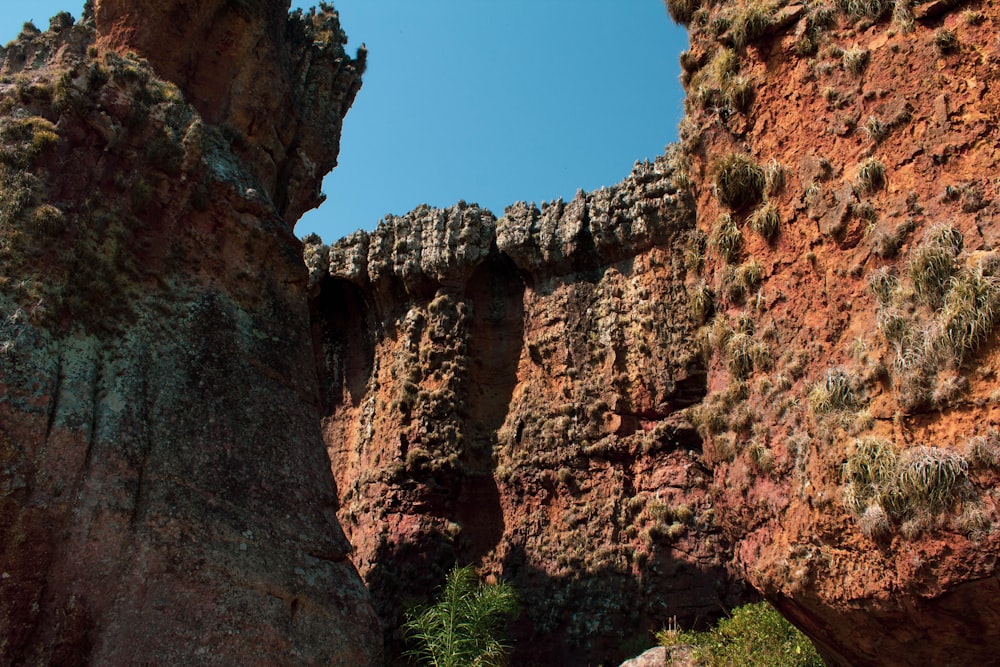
{"x":750,"y":23}
{"x":682,"y":11}
{"x":871,"y":176}
{"x":766,"y":221}
{"x":754,"y":636}
{"x":726,"y":238}
{"x":464,"y":628}
{"x":739,"y":180}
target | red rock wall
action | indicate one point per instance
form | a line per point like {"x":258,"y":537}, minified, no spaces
{"x":516,"y":401}
{"x":871,"y":555}
{"x":165,"y":497}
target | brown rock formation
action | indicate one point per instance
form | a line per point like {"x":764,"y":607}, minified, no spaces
{"x":855,"y":353}
{"x":512,"y":397}
{"x":164,"y":493}
{"x":510,"y":393}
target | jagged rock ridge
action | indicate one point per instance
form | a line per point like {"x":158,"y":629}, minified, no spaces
{"x":509,"y":392}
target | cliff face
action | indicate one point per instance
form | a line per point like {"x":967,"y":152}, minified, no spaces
{"x":843,"y":161}
{"x":165,"y":497}
{"x":784,"y":329}
{"x":510,"y":393}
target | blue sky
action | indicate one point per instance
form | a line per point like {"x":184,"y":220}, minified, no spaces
{"x":490,"y":102}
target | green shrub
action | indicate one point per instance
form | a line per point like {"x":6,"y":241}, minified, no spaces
{"x":756,"y":635}
{"x":739,"y":180}
{"x":464,"y":627}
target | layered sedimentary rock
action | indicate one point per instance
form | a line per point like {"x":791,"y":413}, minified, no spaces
{"x":165,"y":497}
{"x":510,"y":393}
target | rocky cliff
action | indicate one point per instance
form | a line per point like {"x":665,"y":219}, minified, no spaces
{"x":165,"y":497}
{"x":778,"y":337}
{"x":511,"y":393}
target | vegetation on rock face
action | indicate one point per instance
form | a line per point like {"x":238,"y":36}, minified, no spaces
{"x":464,"y":628}
{"x":739,"y":181}
{"x":754,"y":636}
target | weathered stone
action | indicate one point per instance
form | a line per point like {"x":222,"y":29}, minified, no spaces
{"x":165,"y":497}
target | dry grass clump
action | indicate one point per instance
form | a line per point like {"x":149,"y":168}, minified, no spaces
{"x":766,"y":221}
{"x":856,"y":60}
{"x":837,"y":391}
{"x":934,"y":262}
{"x":739,"y":180}
{"x":726,"y":238}
{"x":701,"y":301}
{"x":882,"y":485}
{"x":876,"y":129}
{"x":682,"y":11}
{"x":870,"y":176}
{"x":858,"y":9}
{"x":750,"y":22}
{"x":945,"y":40}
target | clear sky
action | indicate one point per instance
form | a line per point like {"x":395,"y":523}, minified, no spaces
{"x":484,"y":100}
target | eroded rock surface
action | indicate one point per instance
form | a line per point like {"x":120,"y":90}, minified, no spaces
{"x":165,"y":497}
{"x":510,"y":393}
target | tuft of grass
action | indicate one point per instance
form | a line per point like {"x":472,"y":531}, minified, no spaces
{"x":870,"y":176}
{"x":755,"y":635}
{"x":933,"y":263}
{"x":738,"y":92}
{"x":726,"y":238}
{"x":682,"y":11}
{"x":969,"y":312}
{"x":902,"y":16}
{"x":945,"y":40}
{"x":931,"y":477}
{"x":774,"y":178}
{"x":869,"y":475}
{"x":883,"y":285}
{"x":766,"y":221}
{"x":739,"y":180}
{"x":750,"y":23}
{"x":856,"y":60}
{"x":701,"y":301}
{"x":836,"y":391}
{"x":876,"y":129}
{"x":859,"y":9}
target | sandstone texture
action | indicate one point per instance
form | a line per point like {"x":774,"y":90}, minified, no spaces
{"x":511,"y":393}
{"x":770,"y":354}
{"x":165,"y":497}
{"x":851,"y":421}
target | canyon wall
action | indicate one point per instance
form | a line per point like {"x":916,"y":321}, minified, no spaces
{"x":769,"y":355}
{"x":511,"y":393}
{"x":165,"y":496}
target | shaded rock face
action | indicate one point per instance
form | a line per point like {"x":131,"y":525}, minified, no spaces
{"x":510,"y":393}
{"x":852,"y":410}
{"x":165,"y":497}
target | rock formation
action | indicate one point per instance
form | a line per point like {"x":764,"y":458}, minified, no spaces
{"x":165,"y":497}
{"x":511,"y":393}
{"x":767,"y":355}
{"x":538,"y":395}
